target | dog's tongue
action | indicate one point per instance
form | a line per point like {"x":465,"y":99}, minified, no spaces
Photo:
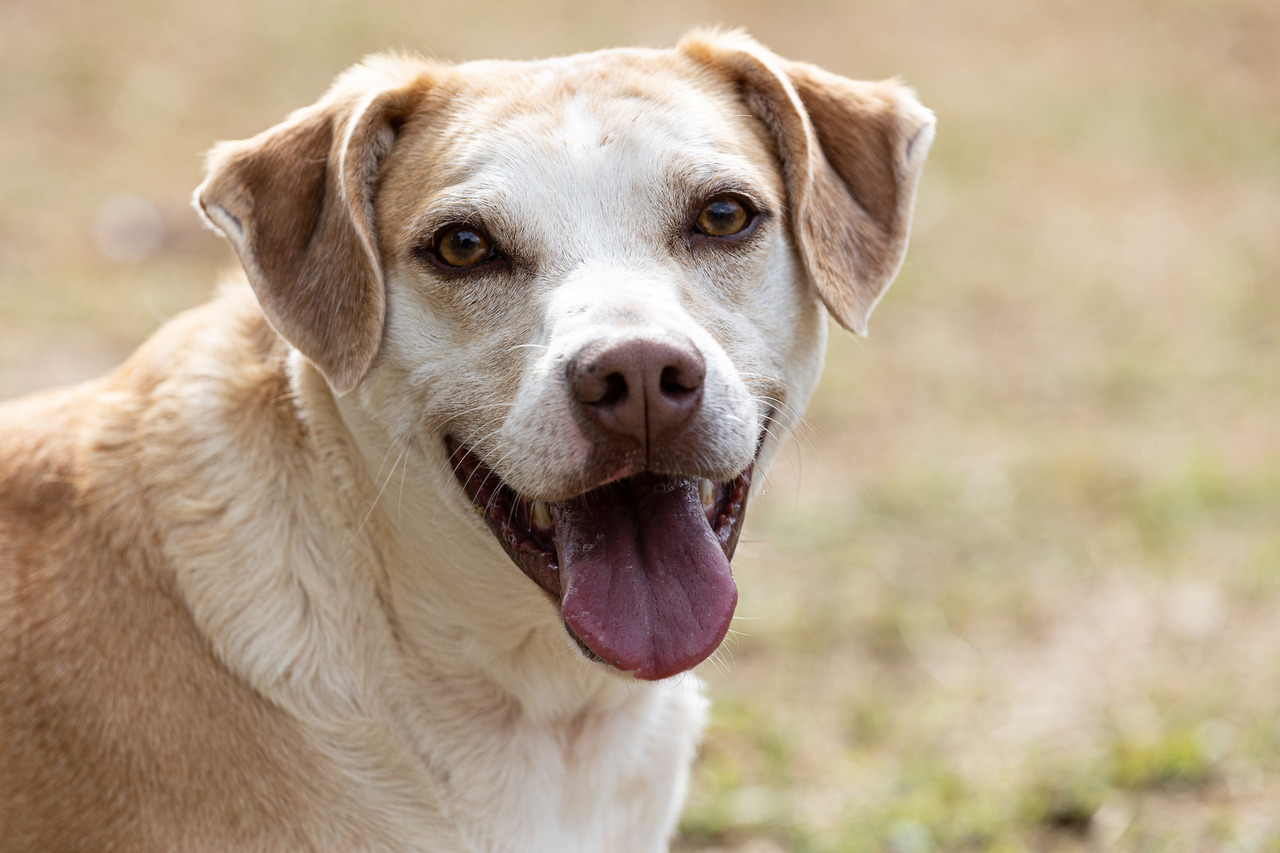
{"x":644,"y":583}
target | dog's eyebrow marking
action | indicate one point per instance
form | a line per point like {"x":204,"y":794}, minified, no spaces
{"x":700,"y":183}
{"x":464,"y":205}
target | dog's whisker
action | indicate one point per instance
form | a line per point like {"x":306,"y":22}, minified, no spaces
{"x":779,"y":404}
{"x":717,"y":659}
{"x":374,"y":503}
{"x":798,"y":422}
{"x":481,"y":407}
{"x":468,"y":450}
{"x":391,"y":446}
{"x":404,"y":469}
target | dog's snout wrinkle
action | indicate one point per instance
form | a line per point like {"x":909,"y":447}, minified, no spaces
{"x":638,"y":388}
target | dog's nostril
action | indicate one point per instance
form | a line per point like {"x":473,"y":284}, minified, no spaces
{"x":597,"y":386}
{"x":615,"y":390}
{"x":677,"y":382}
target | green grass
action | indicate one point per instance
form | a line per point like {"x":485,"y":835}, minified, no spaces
{"x":1016,"y":587}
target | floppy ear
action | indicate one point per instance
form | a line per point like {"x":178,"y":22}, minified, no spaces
{"x":296,"y":202}
{"x":851,"y":156}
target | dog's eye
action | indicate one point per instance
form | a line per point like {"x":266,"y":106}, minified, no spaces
{"x":462,"y":246}
{"x":723,"y":216}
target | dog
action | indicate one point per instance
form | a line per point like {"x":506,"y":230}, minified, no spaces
{"x":410,"y":538}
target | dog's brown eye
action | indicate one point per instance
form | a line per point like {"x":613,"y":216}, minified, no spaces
{"x":461,"y":246}
{"x":723,"y":217}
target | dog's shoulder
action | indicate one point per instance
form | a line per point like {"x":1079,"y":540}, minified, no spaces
{"x":38,"y":459}
{"x":106,"y":683}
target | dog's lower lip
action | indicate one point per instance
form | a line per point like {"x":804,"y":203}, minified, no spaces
{"x":517,"y":524}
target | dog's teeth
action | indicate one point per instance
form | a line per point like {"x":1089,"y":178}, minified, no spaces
{"x":541,"y":514}
{"x":707,"y":491}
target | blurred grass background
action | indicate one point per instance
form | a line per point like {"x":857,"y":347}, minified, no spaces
{"x":1017,"y":587}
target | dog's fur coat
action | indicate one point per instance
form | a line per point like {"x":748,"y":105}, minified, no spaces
{"x":244,"y":602}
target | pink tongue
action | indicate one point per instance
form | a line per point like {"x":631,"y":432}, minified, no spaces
{"x":644,"y":582}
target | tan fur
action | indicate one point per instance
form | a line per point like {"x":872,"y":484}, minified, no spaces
{"x":220,"y":631}
{"x":118,"y":723}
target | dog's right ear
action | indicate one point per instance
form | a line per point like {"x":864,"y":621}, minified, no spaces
{"x":296,"y":202}
{"x":851,"y":155}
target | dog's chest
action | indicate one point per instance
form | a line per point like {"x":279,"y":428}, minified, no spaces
{"x":593,"y":782}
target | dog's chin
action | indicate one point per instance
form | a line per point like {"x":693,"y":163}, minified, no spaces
{"x":639,"y":567}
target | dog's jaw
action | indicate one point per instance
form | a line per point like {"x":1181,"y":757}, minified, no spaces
{"x":650,"y":527}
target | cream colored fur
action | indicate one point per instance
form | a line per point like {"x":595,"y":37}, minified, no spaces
{"x":245,"y":604}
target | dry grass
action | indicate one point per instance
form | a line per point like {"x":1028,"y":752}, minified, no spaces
{"x":1018,"y":587}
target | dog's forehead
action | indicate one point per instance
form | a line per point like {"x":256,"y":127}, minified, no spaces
{"x":637,"y":108}
{"x":652,"y":79}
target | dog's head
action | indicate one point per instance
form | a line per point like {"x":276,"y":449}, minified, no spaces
{"x":592,"y":284}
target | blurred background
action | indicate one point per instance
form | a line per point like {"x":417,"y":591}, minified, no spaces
{"x":1017,"y":586}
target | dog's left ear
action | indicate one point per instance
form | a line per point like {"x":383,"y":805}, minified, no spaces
{"x":851,"y":156}
{"x":296,"y":202}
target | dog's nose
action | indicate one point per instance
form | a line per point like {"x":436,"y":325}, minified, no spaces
{"x":642,"y":388}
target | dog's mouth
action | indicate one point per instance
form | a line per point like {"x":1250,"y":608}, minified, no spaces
{"x":639,"y":567}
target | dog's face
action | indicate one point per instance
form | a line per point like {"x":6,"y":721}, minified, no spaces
{"x":591,"y":287}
